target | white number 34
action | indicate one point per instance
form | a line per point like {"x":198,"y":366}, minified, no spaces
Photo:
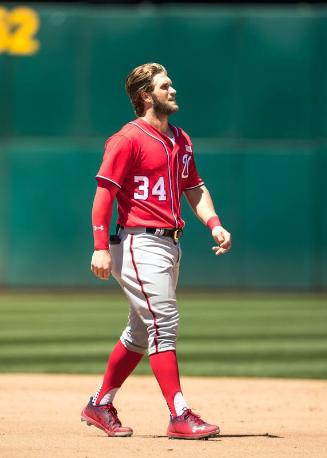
{"x":142,"y":192}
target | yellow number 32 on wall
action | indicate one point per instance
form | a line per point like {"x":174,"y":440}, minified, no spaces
{"x":17,"y":31}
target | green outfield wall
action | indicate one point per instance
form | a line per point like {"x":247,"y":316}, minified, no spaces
{"x":252,"y":89}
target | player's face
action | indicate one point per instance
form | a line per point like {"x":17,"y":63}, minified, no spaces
{"x":163,"y":95}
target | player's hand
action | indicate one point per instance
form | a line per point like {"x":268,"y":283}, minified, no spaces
{"x":101,"y":264}
{"x":223,"y":238}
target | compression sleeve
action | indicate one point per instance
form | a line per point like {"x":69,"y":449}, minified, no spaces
{"x":101,"y":215}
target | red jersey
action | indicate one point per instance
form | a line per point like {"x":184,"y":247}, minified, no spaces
{"x":151,"y":173}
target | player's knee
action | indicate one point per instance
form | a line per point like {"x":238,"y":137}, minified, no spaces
{"x":162,"y":338}
{"x":133,"y":343}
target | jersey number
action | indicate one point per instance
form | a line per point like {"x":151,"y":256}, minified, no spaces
{"x":143,"y":188}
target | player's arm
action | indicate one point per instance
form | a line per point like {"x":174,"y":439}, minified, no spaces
{"x":116,"y":161}
{"x":201,"y":203}
{"x":101,"y":263}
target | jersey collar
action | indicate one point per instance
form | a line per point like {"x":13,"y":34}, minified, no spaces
{"x":147,"y":126}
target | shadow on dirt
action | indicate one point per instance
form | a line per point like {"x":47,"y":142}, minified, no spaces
{"x":222,"y":436}
{"x":271,"y":436}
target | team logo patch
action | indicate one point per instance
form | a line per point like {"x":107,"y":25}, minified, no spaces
{"x":188,"y":148}
{"x":186,"y":161}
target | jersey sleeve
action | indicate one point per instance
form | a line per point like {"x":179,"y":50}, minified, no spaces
{"x":117,"y":159}
{"x":194,"y":180}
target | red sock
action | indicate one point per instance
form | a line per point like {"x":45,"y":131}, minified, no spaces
{"x":121,"y":364}
{"x":165,"y":369}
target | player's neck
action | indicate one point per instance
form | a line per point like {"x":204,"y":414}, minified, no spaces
{"x":158,"y":122}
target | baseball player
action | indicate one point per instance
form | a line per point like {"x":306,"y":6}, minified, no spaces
{"x":146,"y":167}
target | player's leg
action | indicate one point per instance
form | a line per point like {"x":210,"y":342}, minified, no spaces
{"x":131,"y":347}
{"x":123,"y":359}
{"x":155,"y":263}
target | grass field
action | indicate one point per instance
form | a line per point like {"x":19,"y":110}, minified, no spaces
{"x":279,"y":336}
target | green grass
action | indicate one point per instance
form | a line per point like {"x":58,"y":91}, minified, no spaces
{"x":275,"y":336}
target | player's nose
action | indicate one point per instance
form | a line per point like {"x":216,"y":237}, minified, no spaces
{"x":173,"y":91}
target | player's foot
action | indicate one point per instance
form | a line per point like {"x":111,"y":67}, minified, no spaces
{"x":105,"y":418}
{"x":190,"y":426}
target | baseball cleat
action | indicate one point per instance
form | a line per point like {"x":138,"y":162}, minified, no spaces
{"x":105,"y":418}
{"x":190,"y":426}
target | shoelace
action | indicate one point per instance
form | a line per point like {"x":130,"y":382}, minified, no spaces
{"x":113,"y":413}
{"x":193,"y":416}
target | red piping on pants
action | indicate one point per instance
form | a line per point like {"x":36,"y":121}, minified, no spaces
{"x":145,"y":296}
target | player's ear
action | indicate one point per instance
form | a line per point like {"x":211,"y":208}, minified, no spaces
{"x":146,"y":97}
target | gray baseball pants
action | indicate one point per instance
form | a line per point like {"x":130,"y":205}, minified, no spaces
{"x":146,"y":266}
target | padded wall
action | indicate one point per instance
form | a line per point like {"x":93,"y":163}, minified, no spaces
{"x":252,"y":89}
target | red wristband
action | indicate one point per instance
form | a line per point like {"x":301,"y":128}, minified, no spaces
{"x":213,"y":222}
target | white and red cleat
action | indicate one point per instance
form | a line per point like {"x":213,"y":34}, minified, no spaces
{"x":105,"y":418}
{"x":190,"y":426}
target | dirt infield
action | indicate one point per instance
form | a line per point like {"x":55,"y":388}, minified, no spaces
{"x":40,"y":417}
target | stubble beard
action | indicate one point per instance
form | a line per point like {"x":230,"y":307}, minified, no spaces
{"x":163,"y":108}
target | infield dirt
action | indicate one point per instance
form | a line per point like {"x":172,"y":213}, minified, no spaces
{"x":40,"y":417}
